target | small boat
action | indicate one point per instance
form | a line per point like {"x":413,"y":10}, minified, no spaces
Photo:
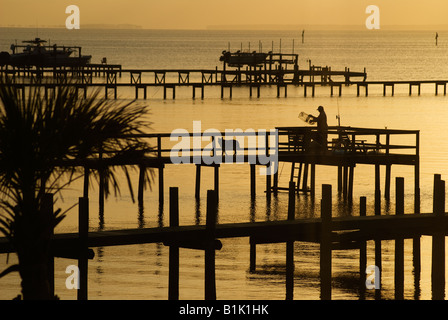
{"x":239,"y":59}
{"x":36,"y":53}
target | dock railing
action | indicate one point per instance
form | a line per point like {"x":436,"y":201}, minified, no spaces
{"x":350,"y":141}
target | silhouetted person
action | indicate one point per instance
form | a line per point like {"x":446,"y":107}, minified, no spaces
{"x":322,"y":128}
{"x":437,"y":37}
{"x":303,"y":36}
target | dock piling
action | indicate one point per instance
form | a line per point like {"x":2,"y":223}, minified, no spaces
{"x":252,"y":181}
{"x":438,"y":242}
{"x":210,"y":281}
{"x":141,"y":186}
{"x":437,"y":84}
{"x":268,"y":186}
{"x":173,"y":271}
{"x":223,"y":86}
{"x":197,"y":192}
{"x":378,"y":259}
{"x":83,"y":231}
{"x":161,"y":187}
{"x":325,"y":243}
{"x":47,"y":210}
{"x":362,"y":252}
{"x":216,"y":181}
{"x":285,"y":90}
{"x":290,"y":245}
{"x":198,"y":86}
{"x":173,"y":89}
{"x":399,"y":241}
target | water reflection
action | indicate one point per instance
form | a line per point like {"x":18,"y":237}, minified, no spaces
{"x":197,"y":212}
{"x":141,"y":216}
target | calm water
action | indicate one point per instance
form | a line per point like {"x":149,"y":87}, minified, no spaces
{"x":140,"y":271}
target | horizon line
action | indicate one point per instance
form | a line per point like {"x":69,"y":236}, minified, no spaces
{"x":254,"y":27}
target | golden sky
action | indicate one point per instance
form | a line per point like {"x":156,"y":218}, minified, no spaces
{"x":199,"y":14}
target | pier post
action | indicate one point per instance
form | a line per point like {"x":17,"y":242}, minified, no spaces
{"x":251,"y":86}
{"x":378,"y":259}
{"x":339,"y":178}
{"x":210,"y":281}
{"x":275,"y":187}
{"x":377,"y":190}
{"x":351,"y":176}
{"x":399,"y":241}
{"x":441,"y":84}
{"x":173,"y":269}
{"x":139,"y":86}
{"x":200,"y":86}
{"x":359,"y":85}
{"x":172,"y":87}
{"x":197,"y":192}
{"x":48,"y":212}
{"x":313,"y":88}
{"x":416,"y":245}
{"x":141,"y":185}
{"x":325,"y":243}
{"x":305,"y":179}
{"x":332,"y":85}
{"x":102,"y":183}
{"x":362,"y":252}
{"x":86,"y":182}
{"x":290,"y":245}
{"x":216,"y":182}
{"x":282,"y":86}
{"x":385,"y":85}
{"x":252,"y":182}
{"x":161,"y":187}
{"x":226,"y":86}
{"x":387,"y":182}
{"x":313,"y":180}
{"x":438,"y":242}
{"x":110,"y":86}
{"x":345,"y":182}
{"x":417,"y":174}
{"x":83,"y":231}
{"x":268,"y":186}
{"x":414,"y":84}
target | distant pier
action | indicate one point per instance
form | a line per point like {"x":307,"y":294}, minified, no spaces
{"x":275,"y":69}
{"x":110,"y":80}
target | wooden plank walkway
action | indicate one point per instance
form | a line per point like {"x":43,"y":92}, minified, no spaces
{"x":345,"y":229}
{"x":332,"y":233}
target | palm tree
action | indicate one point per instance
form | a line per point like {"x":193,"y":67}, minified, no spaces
{"x":37,"y":135}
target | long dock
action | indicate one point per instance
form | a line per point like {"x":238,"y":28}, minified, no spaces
{"x":199,"y":80}
{"x":332,"y":233}
{"x":238,"y":69}
{"x":346,"y":148}
{"x":277,"y":69}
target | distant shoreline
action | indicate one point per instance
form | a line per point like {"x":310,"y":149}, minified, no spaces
{"x":247,"y":27}
{"x":84,"y":26}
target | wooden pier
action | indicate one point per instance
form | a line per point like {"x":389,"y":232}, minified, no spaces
{"x":199,"y":80}
{"x":332,"y":233}
{"x":347,"y":147}
{"x":278,"y":69}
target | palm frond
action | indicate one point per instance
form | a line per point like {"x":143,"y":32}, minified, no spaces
{"x":13,"y":268}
